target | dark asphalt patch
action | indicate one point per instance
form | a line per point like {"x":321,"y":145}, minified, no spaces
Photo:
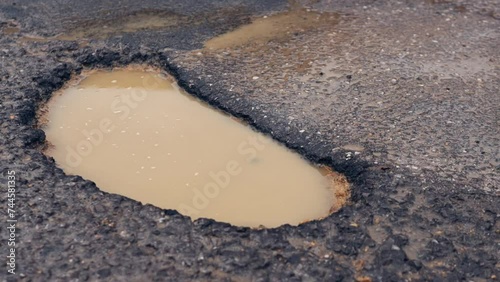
{"x":338,"y":247}
{"x":400,"y":225}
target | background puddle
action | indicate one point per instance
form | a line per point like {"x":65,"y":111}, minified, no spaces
{"x":11,"y":30}
{"x":149,"y":20}
{"x":278,"y":27}
{"x":134,"y":133}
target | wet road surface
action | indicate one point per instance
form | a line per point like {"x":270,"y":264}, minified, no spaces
{"x":401,"y":97}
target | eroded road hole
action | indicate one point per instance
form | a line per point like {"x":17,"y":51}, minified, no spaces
{"x":278,"y":27}
{"x":135,"y":133}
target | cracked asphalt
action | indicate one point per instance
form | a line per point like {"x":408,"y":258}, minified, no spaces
{"x":402,"y":97}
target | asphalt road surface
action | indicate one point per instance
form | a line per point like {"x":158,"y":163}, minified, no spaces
{"x":402,"y":97}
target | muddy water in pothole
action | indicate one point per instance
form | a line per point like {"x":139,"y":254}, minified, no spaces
{"x":116,"y":25}
{"x":134,"y":133}
{"x":11,"y":30}
{"x":277,"y":27}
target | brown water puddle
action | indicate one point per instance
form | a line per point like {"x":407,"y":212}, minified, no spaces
{"x":283,"y":41}
{"x":101,"y":29}
{"x":278,"y":27}
{"x":39,"y":39}
{"x":135,"y":133}
{"x":10,"y":30}
{"x":122,"y":23}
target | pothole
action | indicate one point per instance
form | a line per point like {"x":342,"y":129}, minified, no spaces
{"x":278,"y":27}
{"x":128,"y":23}
{"x":9,"y":28}
{"x":134,"y":132}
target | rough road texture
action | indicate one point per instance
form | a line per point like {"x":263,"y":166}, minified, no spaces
{"x":401,"y":97}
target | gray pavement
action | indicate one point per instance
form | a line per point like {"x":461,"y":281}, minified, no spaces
{"x":400,"y":96}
